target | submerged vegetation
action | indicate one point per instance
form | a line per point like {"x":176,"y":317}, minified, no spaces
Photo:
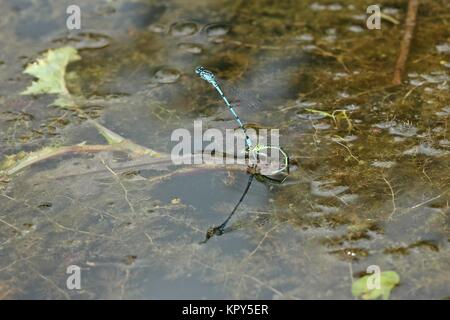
{"x":86,"y":180}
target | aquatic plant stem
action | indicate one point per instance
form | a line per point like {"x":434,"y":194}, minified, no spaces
{"x":394,"y":207}
{"x":50,"y":152}
{"x":405,"y":45}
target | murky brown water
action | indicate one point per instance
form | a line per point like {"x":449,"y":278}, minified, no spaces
{"x":375,"y":193}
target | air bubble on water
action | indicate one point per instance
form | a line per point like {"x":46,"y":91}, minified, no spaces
{"x":340,"y":75}
{"x":217,"y":30}
{"x":403,"y":130}
{"x":351,"y":107}
{"x":192,"y":48}
{"x":390,"y":11}
{"x":84,"y":40}
{"x":157,"y":28}
{"x":343,"y":94}
{"x":334,"y":7}
{"x":349,"y":198}
{"x":443,"y":48}
{"x":349,"y":138}
{"x":309,"y":48}
{"x":444,"y":143}
{"x":305,"y":37}
{"x":445,"y":112}
{"x":355,"y":29}
{"x":331,"y":31}
{"x":360,"y":17}
{"x":322,"y":126}
{"x":416,"y":83}
{"x":385,"y":124}
{"x":383,"y":164}
{"x":443,"y":86}
{"x":436,"y":77}
{"x":317,"y":6}
{"x":167,"y":75}
{"x":183,"y":29}
{"x":305,"y":104}
{"x":311,"y":116}
{"x":320,"y":7}
{"x":424,"y":149}
{"x":325,"y":188}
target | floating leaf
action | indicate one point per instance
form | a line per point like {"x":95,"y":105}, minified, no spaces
{"x":50,"y":71}
{"x":363,"y":287}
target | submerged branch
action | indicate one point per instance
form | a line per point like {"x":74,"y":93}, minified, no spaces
{"x":142,"y":157}
{"x":410,"y":24}
{"x":15,"y":163}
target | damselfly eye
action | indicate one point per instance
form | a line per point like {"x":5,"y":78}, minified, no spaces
{"x":198,"y":70}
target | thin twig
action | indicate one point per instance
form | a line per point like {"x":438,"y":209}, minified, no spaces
{"x":394,"y":207}
{"x":125,"y":190}
{"x":11,"y":226}
{"x":50,"y":281}
{"x":427,"y":201}
{"x":346,"y":147}
{"x":410,"y":24}
{"x":51,"y":152}
{"x":266,"y":235}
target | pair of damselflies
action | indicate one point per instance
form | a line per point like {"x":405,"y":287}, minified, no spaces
{"x":255,"y":150}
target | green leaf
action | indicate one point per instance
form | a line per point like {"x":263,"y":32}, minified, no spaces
{"x":388,"y":280}
{"x":322,"y":113}
{"x":111,"y":137}
{"x":116,"y":139}
{"x":50,"y":71}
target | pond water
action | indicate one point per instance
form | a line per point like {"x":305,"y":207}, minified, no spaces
{"x":370,"y":187}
